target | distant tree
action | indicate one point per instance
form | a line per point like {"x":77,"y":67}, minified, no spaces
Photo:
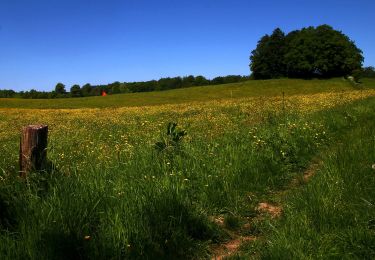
{"x":163,"y":84}
{"x":368,"y":72}
{"x":267,"y":60}
{"x":115,"y":87}
{"x":52,"y":94}
{"x":217,"y":80}
{"x":232,"y":79}
{"x":176,"y":83}
{"x":201,"y":81}
{"x":124,"y":88}
{"x":151,"y":85}
{"x":188,"y":81}
{"x":7,"y":93}
{"x":60,"y":88}
{"x":75,"y":91}
{"x":86,"y":90}
{"x":169,"y":83}
{"x":33,"y":94}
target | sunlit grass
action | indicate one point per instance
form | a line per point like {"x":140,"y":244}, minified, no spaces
{"x":333,"y":215}
{"x":258,"y":88}
{"x":113,"y":195}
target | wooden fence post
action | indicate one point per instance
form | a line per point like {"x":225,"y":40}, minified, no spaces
{"x":33,"y":149}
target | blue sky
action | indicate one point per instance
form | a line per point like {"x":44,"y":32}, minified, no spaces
{"x":43,"y":42}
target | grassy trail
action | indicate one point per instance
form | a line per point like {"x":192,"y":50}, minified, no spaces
{"x":328,"y":211}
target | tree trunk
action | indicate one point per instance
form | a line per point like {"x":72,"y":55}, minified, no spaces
{"x":33,"y":149}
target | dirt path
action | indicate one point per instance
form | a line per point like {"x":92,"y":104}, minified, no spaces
{"x":264,"y":209}
{"x":230,"y":247}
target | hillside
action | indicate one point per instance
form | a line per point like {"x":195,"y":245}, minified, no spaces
{"x":194,"y":94}
{"x":119,"y":186}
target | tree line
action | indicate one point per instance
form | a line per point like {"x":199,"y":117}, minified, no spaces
{"x":311,"y":52}
{"x":320,"y":52}
{"x":60,"y":90}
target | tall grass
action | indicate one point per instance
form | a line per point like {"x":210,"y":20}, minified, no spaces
{"x":332,"y":217}
{"x":149,"y":204}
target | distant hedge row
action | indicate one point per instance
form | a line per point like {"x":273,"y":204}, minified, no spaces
{"x":125,"y":87}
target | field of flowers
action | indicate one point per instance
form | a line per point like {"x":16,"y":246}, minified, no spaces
{"x":112,"y":194}
{"x":106,"y":133}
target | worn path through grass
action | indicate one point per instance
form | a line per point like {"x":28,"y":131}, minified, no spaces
{"x":328,"y":211}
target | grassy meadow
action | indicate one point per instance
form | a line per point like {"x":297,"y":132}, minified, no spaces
{"x":113,"y":192}
{"x":259,"y":88}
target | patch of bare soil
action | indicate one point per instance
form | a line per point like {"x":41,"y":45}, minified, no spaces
{"x":273,"y":210}
{"x":237,"y":238}
{"x":230,"y":247}
{"x":311,"y":170}
{"x":308,"y":173}
{"x":218,"y":220}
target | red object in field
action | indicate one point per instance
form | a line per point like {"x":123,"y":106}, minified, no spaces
{"x":104,"y":94}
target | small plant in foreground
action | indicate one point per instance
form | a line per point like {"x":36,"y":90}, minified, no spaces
{"x":172,"y":140}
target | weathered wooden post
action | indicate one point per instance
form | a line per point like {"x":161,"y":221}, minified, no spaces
{"x":33,"y":149}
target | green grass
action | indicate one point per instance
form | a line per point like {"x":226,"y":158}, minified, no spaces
{"x":332,"y":216}
{"x":137,"y":202}
{"x":195,"y":94}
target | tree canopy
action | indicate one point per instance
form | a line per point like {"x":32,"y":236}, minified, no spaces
{"x":306,"y":53}
{"x":75,"y":91}
{"x":60,"y":88}
{"x":125,"y":87}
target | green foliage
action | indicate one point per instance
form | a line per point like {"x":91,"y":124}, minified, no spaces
{"x":306,"y":53}
{"x":172,"y":140}
{"x":60,"y":88}
{"x":332,"y":216}
{"x":110,"y":203}
{"x":232,"y":221}
{"x":125,"y":87}
{"x":249,"y":88}
{"x":75,"y":91}
{"x":201,"y":81}
{"x":357,"y":74}
{"x":267,"y":60}
{"x":7,"y":93}
{"x":86,"y":90}
{"x":368,"y":72}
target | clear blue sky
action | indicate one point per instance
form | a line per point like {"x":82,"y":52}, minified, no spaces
{"x":43,"y":42}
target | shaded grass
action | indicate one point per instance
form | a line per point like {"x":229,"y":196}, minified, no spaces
{"x":369,"y":82}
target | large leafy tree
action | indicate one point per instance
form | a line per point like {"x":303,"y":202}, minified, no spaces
{"x":309,"y":52}
{"x":267,"y":59}
{"x":300,"y":53}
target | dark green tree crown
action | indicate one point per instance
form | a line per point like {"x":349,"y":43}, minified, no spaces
{"x":309,"y":52}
